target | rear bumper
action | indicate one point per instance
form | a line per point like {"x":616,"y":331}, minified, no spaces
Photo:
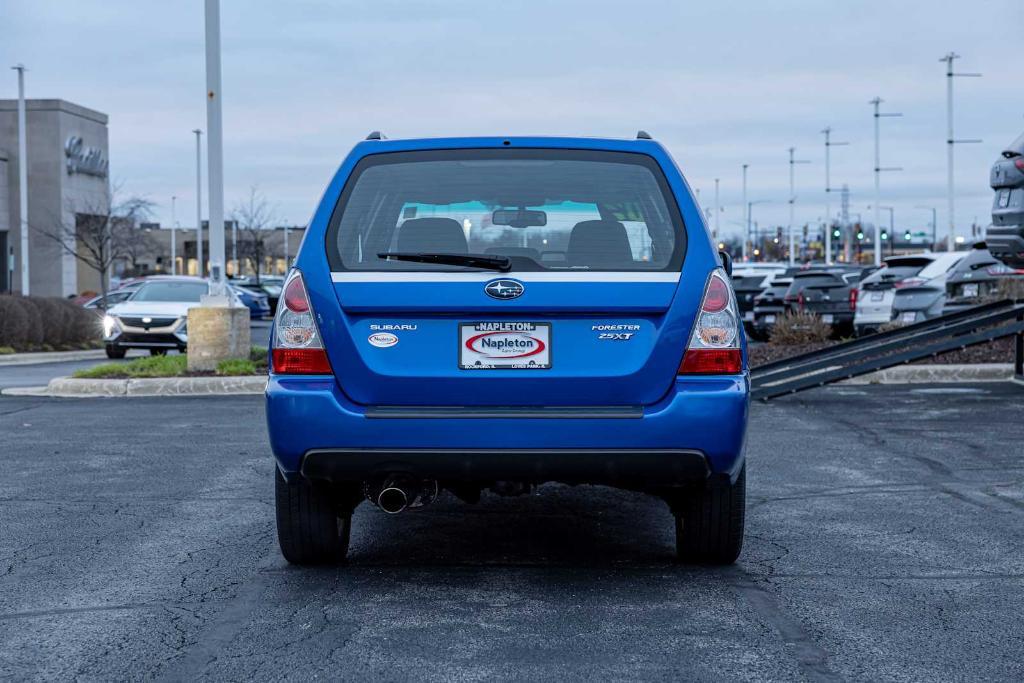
{"x":628,"y":468}
{"x":698,"y":429}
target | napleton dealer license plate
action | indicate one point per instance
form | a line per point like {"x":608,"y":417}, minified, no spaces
{"x":504,"y":346}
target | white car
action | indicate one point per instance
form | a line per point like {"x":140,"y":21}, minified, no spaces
{"x":155,"y":317}
{"x":877,"y":293}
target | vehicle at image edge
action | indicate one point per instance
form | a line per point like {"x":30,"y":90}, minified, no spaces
{"x":478,"y":314}
{"x":1005,"y":237}
{"x":976,"y":280}
{"x":922,"y":297}
{"x":829,"y":292}
{"x":770,"y":304}
{"x":748,"y":281}
{"x":155,"y":316}
{"x":877,"y":292}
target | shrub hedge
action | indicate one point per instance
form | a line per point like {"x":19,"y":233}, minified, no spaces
{"x":35,"y":323}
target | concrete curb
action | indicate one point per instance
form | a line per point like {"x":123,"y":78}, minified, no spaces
{"x":66,"y":387}
{"x":38,"y":358}
{"x":937,"y":373}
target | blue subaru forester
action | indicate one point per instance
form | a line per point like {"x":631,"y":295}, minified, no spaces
{"x":496,"y":313}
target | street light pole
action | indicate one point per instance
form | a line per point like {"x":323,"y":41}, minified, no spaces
{"x":792,"y":205}
{"x":717,"y":211}
{"x":934,"y":232}
{"x":215,"y":149}
{"x":746,"y":215}
{"x":828,"y":189}
{"x":878,"y":171}
{"x":174,"y":236}
{"x":199,"y":203}
{"x":950,"y":141}
{"x":22,"y":178}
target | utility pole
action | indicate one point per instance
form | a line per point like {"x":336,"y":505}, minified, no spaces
{"x":878,"y":171}
{"x":174,"y":237}
{"x":950,"y":141}
{"x":829,"y":144}
{"x":215,"y":150}
{"x":934,"y":231}
{"x":792,"y":205}
{"x":746,"y":215}
{"x":234,"y":248}
{"x":844,"y":219}
{"x":199,"y":203}
{"x":22,"y":178}
{"x":717,"y":211}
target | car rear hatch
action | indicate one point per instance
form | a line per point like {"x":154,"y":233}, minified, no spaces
{"x":508,"y":278}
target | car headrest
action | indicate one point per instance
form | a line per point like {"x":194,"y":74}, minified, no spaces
{"x":432,"y":235}
{"x":599,"y":244}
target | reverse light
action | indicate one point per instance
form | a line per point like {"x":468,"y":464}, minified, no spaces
{"x":714,"y":347}
{"x":297,"y":348}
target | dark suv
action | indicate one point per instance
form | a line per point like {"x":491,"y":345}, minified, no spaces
{"x":1005,"y":237}
{"x":829,"y":293}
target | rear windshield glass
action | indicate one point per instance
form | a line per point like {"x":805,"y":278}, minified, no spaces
{"x":543,"y":209}
{"x":817,"y":280}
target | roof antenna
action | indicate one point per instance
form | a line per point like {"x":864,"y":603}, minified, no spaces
{"x":643,"y":135}
{"x":376,"y":135}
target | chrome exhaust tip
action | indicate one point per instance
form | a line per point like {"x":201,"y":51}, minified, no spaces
{"x":393,"y":500}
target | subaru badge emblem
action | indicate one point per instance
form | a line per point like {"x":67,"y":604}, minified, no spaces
{"x":504,"y":289}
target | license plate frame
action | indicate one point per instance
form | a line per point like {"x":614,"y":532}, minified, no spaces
{"x":472,"y":335}
{"x":827,"y":318}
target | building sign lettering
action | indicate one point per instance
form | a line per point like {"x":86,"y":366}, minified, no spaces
{"x":82,"y":159}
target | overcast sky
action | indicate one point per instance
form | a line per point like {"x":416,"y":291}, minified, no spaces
{"x":719,"y":83}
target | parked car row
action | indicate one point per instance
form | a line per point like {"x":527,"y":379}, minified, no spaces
{"x":906,"y":289}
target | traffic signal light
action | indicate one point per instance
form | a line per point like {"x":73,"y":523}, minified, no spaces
{"x":884,"y":235}
{"x":860,"y":233}
{"x":836,"y":233}
{"x":906,"y":235}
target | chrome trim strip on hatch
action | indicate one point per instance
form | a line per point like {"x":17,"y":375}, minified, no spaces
{"x":486,"y":276}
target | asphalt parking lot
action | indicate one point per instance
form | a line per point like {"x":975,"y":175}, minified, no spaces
{"x":884,"y":542}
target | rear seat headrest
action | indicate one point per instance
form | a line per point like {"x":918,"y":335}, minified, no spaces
{"x":599,"y":244}
{"x":432,"y":235}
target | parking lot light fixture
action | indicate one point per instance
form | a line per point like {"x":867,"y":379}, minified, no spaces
{"x":829,"y":144}
{"x":951,"y":141}
{"x":878,"y":170}
{"x":792,"y":204}
{"x":199,"y":203}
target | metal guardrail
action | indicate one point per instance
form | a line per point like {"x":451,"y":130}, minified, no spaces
{"x":914,"y":342}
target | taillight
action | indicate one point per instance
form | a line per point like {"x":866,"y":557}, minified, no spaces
{"x":800,"y":301}
{"x":297,"y":348}
{"x":854,"y":293}
{"x":910,"y":282}
{"x":714,"y":346}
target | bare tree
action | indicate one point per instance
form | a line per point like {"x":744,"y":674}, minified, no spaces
{"x":253,"y":215}
{"x":100,"y":230}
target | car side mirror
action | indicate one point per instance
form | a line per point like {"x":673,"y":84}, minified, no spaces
{"x":726,"y":262}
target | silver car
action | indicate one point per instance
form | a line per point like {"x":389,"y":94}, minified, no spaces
{"x":923,"y":297}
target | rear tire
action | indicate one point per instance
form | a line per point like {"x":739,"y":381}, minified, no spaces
{"x":115,"y":352}
{"x":309,"y":528}
{"x":158,"y":352}
{"x":709,"y":523}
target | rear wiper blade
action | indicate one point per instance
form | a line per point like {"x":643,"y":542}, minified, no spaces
{"x":500,"y":263}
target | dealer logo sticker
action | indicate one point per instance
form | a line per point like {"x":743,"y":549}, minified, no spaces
{"x":382,"y":340}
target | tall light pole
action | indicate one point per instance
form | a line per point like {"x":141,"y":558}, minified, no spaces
{"x":285,"y":247}
{"x":792,"y":204}
{"x":174,"y":236}
{"x":950,"y":141}
{"x":934,"y":231}
{"x":750,"y":212}
{"x":892,"y":222}
{"x":829,"y":144}
{"x":22,"y":178}
{"x":215,"y":149}
{"x":746,"y":215}
{"x":878,"y":171}
{"x":234,"y":248}
{"x":718,"y":210}
{"x":199,"y":203}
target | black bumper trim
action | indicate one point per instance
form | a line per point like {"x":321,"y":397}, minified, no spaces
{"x":625,"y":467}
